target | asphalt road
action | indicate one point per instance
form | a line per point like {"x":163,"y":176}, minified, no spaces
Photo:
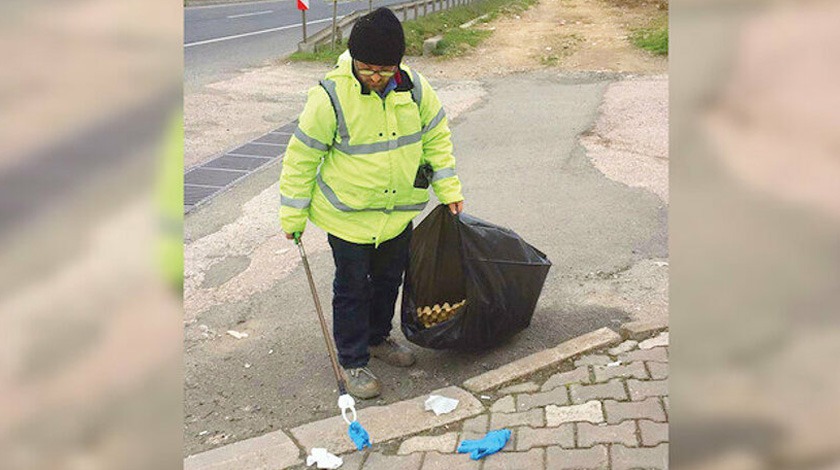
{"x":522,"y":166}
{"x":220,"y":40}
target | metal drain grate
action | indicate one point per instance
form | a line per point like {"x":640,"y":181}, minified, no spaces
{"x":203,"y":182}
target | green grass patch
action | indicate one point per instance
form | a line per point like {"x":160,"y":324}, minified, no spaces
{"x":457,"y":41}
{"x":653,"y":39}
{"x":324,"y":54}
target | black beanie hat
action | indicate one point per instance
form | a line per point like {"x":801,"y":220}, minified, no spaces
{"x":377,"y":38}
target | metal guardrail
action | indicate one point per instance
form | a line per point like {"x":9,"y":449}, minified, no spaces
{"x":408,"y":10}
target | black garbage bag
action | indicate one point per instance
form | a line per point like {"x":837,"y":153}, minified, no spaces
{"x":457,"y":258}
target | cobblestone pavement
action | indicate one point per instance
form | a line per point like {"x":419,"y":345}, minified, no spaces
{"x":607,"y":409}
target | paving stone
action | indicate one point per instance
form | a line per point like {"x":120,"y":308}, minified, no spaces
{"x":535,"y":362}
{"x":590,"y":411}
{"x":531,"y":460}
{"x":476,"y":425}
{"x":444,"y":443}
{"x":641,"y":457}
{"x":527,"y":387}
{"x":533,"y":418}
{"x":436,"y":461}
{"x":504,"y":405}
{"x":563,"y":436}
{"x":653,"y":433}
{"x":377,"y":461}
{"x":640,"y":330}
{"x":659,"y":354}
{"x":648,"y":409}
{"x":661,"y":340}
{"x":331,"y":433}
{"x":528,"y":401}
{"x":471,"y":436}
{"x":269,"y":451}
{"x":612,"y":389}
{"x":634,"y":369}
{"x":667,"y":402}
{"x":641,"y":389}
{"x":591,"y":434}
{"x":624,"y":347}
{"x":352,"y":460}
{"x":593,"y":360}
{"x":558,"y":458}
{"x":657,"y":370}
{"x":578,"y":375}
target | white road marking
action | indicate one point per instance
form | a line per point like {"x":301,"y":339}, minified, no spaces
{"x":243,"y":15}
{"x":254,"y":33}
{"x":227,"y":5}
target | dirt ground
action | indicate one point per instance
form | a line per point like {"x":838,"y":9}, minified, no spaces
{"x":233,"y":260}
{"x":573,"y":35}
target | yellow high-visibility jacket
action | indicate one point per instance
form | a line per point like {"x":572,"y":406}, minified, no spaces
{"x":351,"y":165}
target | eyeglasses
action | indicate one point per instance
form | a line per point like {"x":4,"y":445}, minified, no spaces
{"x":382,"y":73}
{"x":368,"y":72}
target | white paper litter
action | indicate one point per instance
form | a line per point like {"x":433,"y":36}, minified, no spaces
{"x":613,"y":364}
{"x":323,"y":458}
{"x":440,"y":405}
{"x":237,"y":334}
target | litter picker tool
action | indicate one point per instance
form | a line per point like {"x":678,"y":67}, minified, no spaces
{"x":345,"y":402}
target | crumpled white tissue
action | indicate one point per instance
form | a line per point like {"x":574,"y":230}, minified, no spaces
{"x":323,"y":458}
{"x":440,"y":405}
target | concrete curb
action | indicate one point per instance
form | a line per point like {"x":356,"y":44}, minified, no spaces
{"x":639,"y":330}
{"x":272,"y":450}
{"x":541,"y":360}
{"x":385,"y":423}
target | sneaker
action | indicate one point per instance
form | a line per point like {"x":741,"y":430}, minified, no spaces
{"x":361,"y":383}
{"x":392,"y":353}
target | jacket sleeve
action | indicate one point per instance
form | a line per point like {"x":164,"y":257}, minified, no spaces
{"x":307,"y":147}
{"x":437,"y":146}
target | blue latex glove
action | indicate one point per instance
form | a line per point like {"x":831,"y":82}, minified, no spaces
{"x":359,"y":436}
{"x":493,"y":442}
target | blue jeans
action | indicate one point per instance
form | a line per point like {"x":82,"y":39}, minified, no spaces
{"x":367,"y":281}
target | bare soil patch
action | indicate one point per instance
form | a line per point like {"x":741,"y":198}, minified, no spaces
{"x":574,"y":35}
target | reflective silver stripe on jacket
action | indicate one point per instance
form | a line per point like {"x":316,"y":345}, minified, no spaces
{"x":309,"y":141}
{"x":417,"y":90}
{"x":435,"y":121}
{"x":384,"y":146}
{"x":301,"y":203}
{"x":443,"y":173}
{"x":375,"y":147}
{"x":329,"y":87}
{"x":331,"y":196}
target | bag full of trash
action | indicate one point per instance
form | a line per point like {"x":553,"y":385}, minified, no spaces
{"x":470,"y":284}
